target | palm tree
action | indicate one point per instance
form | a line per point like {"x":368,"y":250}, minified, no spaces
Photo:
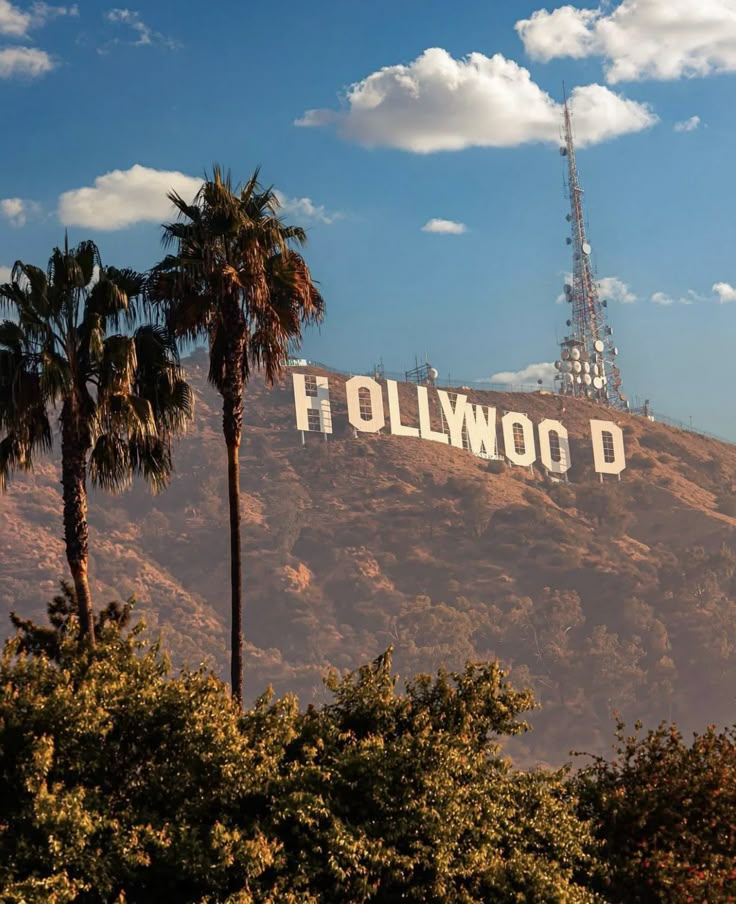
{"x":237,"y":281}
{"x":120,"y":398}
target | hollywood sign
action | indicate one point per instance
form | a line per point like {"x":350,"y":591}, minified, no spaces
{"x":465,"y":425}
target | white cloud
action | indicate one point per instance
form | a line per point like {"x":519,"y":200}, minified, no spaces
{"x":317,"y":118}
{"x":639,"y":39}
{"x":139,"y":195}
{"x":688,"y":125}
{"x":725,"y":292}
{"x":16,"y":210}
{"x":690,"y":297}
{"x":5,"y":273}
{"x":662,"y":298}
{"x":610,"y":288}
{"x":28,"y":62}
{"x":144,"y":35}
{"x":13,"y":209}
{"x":17,"y":23}
{"x":306,"y":209}
{"x":13,"y":21}
{"x":123,"y":197}
{"x":438,"y":103}
{"x":444,"y":227}
{"x":599,"y":115}
{"x":615,"y":289}
{"x":132,"y":19}
{"x":565,"y":32}
{"x":527,"y":375}
{"x":41,"y":13}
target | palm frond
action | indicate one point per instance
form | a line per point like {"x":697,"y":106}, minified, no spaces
{"x":55,"y":376}
{"x":150,"y":458}
{"x":11,"y":337}
{"x":108,"y":301}
{"x":109,"y":463}
{"x":31,"y":281}
{"x":14,"y":456}
{"x":128,"y":390}
{"x":64,"y":270}
{"x":118,"y":365}
{"x":218,"y":352}
{"x":132,"y":284}
{"x":87,"y":256}
{"x":231,"y":246}
{"x":32,"y":433}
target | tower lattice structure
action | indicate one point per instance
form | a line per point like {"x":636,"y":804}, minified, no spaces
{"x":587,"y":367}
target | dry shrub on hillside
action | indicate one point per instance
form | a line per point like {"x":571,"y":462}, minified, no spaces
{"x":727,"y":505}
{"x":641,"y":462}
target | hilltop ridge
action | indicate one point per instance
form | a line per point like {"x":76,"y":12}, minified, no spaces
{"x":601,"y":596}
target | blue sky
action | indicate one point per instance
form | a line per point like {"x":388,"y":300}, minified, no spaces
{"x":374,"y":120}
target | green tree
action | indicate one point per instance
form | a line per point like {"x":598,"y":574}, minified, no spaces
{"x":119,"y":397}
{"x":665,"y":813}
{"x":237,"y":281}
{"x":120,"y":782}
{"x":405,"y":797}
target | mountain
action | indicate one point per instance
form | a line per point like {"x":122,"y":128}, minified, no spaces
{"x":602,"y":596}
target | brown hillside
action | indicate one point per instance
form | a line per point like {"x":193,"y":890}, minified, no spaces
{"x":615,"y":596}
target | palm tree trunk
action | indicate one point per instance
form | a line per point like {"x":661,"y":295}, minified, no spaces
{"x":74,"y":448}
{"x":236,"y":572}
{"x":232,"y":423}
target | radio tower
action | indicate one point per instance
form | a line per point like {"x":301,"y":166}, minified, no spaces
{"x":587,"y":368}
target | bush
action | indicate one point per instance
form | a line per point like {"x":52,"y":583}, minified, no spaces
{"x":643,"y":462}
{"x":727,"y":506}
{"x":563,"y":495}
{"x":605,"y":505}
{"x":496,"y":466}
{"x":656,"y":441}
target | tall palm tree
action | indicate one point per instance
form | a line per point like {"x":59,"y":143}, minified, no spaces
{"x":235,"y":279}
{"x":120,"y":398}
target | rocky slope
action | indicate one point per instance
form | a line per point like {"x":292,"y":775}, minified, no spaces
{"x":620,"y":596}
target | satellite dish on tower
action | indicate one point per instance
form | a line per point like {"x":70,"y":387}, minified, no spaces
{"x":586,"y":351}
{"x":433,"y":373}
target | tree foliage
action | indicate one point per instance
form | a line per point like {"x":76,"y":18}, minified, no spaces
{"x":666,"y":812}
{"x":119,"y":782}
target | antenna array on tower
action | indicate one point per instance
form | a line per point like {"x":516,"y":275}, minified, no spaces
{"x":587,"y":367}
